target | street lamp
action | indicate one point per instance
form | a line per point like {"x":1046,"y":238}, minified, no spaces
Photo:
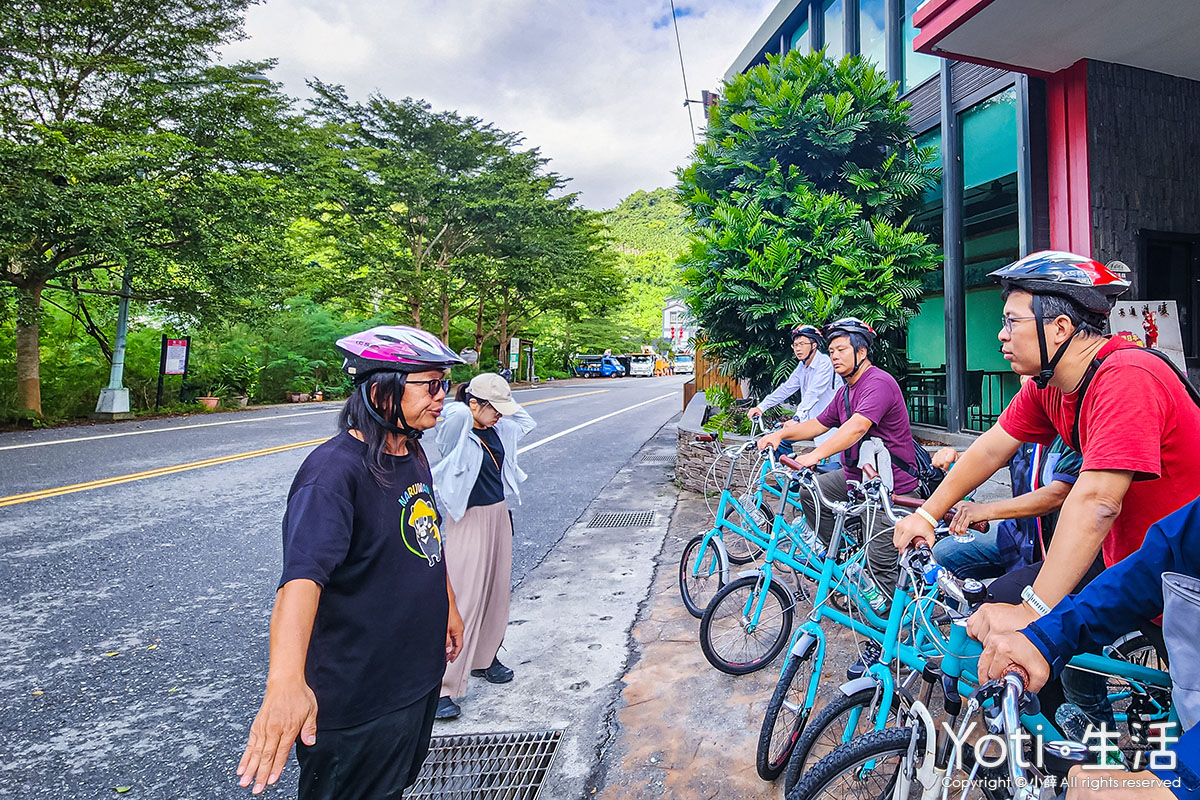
{"x":114,"y":398}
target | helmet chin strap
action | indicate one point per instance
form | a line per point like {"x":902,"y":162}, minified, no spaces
{"x":404,"y":429}
{"x":1042,"y":379}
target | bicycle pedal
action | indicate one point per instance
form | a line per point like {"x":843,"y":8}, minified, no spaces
{"x":870,"y":653}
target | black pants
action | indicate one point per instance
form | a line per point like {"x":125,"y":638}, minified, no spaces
{"x":1085,"y":689}
{"x":377,"y":760}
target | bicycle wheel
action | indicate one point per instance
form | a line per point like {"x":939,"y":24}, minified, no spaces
{"x":843,"y":773}
{"x":698,"y":585}
{"x":843,"y":718}
{"x":786,"y":716}
{"x":740,"y":549}
{"x":734,"y":644}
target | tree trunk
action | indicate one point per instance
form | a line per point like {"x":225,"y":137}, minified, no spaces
{"x":415,"y":309}
{"x":29,"y":381}
{"x":445,"y":317}
{"x":479,"y":326}
{"x":504,"y":354}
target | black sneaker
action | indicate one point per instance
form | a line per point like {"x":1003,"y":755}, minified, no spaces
{"x":870,"y":651}
{"x":447,"y":709}
{"x":496,"y":673}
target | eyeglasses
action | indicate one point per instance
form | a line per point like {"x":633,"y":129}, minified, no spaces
{"x":434,"y":387}
{"x":1007,"y":322}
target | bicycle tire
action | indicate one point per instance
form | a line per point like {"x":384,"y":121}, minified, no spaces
{"x":698,"y":591}
{"x":773,"y":629}
{"x":846,"y":760}
{"x":838,"y":708}
{"x":740,"y":549}
{"x":773,"y":752}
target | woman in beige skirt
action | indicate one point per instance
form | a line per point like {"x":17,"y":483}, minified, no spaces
{"x":477,"y":436}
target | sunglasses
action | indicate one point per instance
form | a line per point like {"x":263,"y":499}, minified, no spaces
{"x":434,"y":387}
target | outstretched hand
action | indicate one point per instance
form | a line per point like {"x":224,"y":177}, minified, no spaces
{"x":288,"y":710}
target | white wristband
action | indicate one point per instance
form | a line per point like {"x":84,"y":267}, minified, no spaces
{"x":1036,"y":603}
{"x":925,"y":515}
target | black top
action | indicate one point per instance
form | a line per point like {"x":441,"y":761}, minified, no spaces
{"x":378,"y":642}
{"x":489,"y":488}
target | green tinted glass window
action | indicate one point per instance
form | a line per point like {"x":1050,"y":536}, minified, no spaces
{"x":871,"y":39}
{"x":800,"y":39}
{"x":917,"y":66}
{"x":835,"y":36}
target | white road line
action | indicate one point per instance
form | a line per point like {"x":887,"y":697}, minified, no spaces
{"x":560,"y":434}
{"x":169,"y":430}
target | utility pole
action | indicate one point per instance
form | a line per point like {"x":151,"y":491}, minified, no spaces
{"x":114,"y":398}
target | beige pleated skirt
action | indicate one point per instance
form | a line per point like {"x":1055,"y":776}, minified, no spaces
{"x":478,"y":551}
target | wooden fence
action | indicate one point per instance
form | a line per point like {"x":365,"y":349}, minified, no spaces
{"x":707,"y":375}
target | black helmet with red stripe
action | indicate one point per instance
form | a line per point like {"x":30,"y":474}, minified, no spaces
{"x":1088,"y":284}
{"x":810,"y":331}
{"x":847,"y":325}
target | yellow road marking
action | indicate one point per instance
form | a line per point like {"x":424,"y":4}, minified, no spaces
{"x":564,"y":397}
{"x":43,"y":494}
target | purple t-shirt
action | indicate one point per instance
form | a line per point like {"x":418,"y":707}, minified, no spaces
{"x":876,"y":396}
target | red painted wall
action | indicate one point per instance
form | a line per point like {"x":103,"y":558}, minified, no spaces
{"x":1067,"y":160}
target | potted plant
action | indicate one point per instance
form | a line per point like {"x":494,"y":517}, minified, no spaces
{"x":212,"y":396}
{"x":241,"y":376}
{"x":298,"y":391}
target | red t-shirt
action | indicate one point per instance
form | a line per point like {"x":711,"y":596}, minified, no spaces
{"x":1136,"y":416}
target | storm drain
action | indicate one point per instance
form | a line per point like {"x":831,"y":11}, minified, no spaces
{"x":486,"y":766}
{"x":622,"y":519}
{"x":658,"y":458}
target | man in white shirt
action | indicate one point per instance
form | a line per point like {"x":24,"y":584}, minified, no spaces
{"x":813,"y":377}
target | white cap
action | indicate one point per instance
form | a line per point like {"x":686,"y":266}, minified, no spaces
{"x":490,"y":387}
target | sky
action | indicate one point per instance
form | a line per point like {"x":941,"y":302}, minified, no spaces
{"x":595,"y":85}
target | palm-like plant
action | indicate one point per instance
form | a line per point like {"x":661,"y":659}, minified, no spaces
{"x":800,"y":200}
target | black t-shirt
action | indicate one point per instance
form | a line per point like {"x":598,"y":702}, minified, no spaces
{"x":378,"y":642}
{"x":488,"y":488}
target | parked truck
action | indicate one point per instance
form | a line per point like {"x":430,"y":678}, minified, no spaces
{"x":641,"y":365}
{"x":606,"y":366}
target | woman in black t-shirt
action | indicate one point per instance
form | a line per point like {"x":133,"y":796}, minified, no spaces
{"x":365,"y":618}
{"x":477,"y":437}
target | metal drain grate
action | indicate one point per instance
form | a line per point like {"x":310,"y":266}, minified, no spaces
{"x":658,"y":458}
{"x":622,"y":519}
{"x":486,"y":766}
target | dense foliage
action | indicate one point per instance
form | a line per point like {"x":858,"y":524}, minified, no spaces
{"x":134,"y":164}
{"x":800,"y":200}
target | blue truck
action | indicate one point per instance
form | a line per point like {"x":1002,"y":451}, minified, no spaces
{"x":598,"y":367}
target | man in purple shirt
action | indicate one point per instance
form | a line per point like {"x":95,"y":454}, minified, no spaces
{"x":869,"y":407}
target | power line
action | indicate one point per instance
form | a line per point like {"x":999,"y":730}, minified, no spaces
{"x":683,"y":71}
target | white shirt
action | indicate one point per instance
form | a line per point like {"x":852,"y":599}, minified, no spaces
{"x":462,"y":454}
{"x":816,"y":382}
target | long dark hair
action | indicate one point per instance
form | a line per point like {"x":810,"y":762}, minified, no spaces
{"x":460,"y":394}
{"x":388,"y":388}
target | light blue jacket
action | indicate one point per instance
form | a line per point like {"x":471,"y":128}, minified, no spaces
{"x":462,"y":454}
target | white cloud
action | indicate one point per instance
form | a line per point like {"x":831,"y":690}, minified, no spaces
{"x":595,"y":85}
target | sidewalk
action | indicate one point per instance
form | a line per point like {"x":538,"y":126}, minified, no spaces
{"x":686,"y":730}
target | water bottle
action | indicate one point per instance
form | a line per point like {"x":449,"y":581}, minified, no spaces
{"x":866,"y":587}
{"x":750,"y":503}
{"x":813,"y":542}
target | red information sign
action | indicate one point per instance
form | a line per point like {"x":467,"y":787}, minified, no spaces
{"x":176,"y":358}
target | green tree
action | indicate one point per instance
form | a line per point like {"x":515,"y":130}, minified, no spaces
{"x":801,"y":199}
{"x":122,"y":146}
{"x":648,"y":232}
{"x":440,"y":216}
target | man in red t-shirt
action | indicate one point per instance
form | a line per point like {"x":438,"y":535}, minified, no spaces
{"x":1137,"y":428}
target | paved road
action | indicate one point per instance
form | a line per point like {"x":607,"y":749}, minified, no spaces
{"x":133,"y":614}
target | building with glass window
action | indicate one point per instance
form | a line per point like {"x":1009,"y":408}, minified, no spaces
{"x":1068,"y":125}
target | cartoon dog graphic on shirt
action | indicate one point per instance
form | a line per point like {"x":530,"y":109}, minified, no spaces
{"x":423,"y":520}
